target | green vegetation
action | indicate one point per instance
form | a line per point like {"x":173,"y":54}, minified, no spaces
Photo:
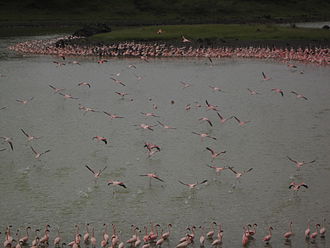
{"x":213,"y":32}
{"x":142,"y":12}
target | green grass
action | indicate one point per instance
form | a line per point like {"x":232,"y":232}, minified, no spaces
{"x":213,"y":32}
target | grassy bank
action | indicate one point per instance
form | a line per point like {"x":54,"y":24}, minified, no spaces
{"x":213,"y":32}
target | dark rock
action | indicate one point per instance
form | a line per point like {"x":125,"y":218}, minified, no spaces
{"x":326,"y":27}
{"x":91,"y":29}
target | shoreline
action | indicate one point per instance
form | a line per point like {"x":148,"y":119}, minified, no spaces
{"x":317,"y":52}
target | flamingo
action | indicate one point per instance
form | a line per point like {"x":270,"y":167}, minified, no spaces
{"x":299,"y":95}
{"x":308,"y":230}
{"x":192,"y":185}
{"x":185,"y":40}
{"x":218,"y":170}
{"x":245,"y":237}
{"x":24,"y":101}
{"x":151,"y":146}
{"x":215,"y":154}
{"x":202,"y":237}
{"x":265,"y":78}
{"x":9,"y":141}
{"x":210,"y":106}
{"x":152,"y":175}
{"x":166,"y":235}
{"x":146,"y":126}
{"x":206,"y":119}
{"x":252,"y":232}
{"x":239,"y":174}
{"x":240,"y":123}
{"x":93,"y":239}
{"x":86,"y":235}
{"x":87,"y":109}
{"x":117,"y":183}
{"x":296,"y":186}
{"x":300,"y":164}
{"x":84,"y":84}
{"x":58,"y":238}
{"x":118,"y":81}
{"x":314,"y":234}
{"x":56,"y":90}
{"x":149,"y":114}
{"x":185,"y":84}
{"x":25,"y":239}
{"x":112,"y":116}
{"x":277,"y":90}
{"x":4,"y":107}
{"x":105,"y":235}
{"x":37,"y":154}
{"x":165,"y":126}
{"x":323,"y":230}
{"x":68,"y":96}
{"x":204,"y":135}
{"x":288,"y":234}
{"x":215,"y":88}
{"x":268,"y":237}
{"x":100,"y":138}
{"x":222,"y":119}
{"x":211,"y":232}
{"x":96,"y":174}
{"x":253,"y":92}
{"x":29,"y":137}
{"x":122,"y":94}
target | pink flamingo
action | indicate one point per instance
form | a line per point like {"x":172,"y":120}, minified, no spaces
{"x":149,"y":114}
{"x":268,"y":237}
{"x":165,"y":126}
{"x":299,"y":95}
{"x":152,"y":175}
{"x":253,"y":92}
{"x":206,"y":119}
{"x":192,"y":185}
{"x":308,"y":230}
{"x":277,"y":90}
{"x":204,"y":135}
{"x":122,"y":94}
{"x":323,"y":230}
{"x":145,"y":126}
{"x":96,"y":174}
{"x":214,"y":154}
{"x":222,"y":119}
{"x":58,"y":238}
{"x":185,"y":84}
{"x":167,"y":234}
{"x":300,"y":164}
{"x":24,"y":101}
{"x":185,"y":40}
{"x":265,"y":78}
{"x":210,"y":234}
{"x":100,"y":138}
{"x":288,"y":234}
{"x":118,"y":81}
{"x":117,"y":183}
{"x":112,"y":116}
{"x":9,"y":141}
{"x":84,"y":84}
{"x":68,"y":96}
{"x":241,"y":123}
{"x":239,"y":174}
{"x":29,"y":137}
{"x":218,"y":170}
{"x":37,"y":154}
{"x":210,"y":106}
{"x":56,"y":90}
{"x":215,"y":88}
{"x":314,"y":234}
{"x":25,"y":239}
{"x":86,"y":235}
{"x":296,"y":186}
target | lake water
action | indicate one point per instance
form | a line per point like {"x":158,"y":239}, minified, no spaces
{"x":57,"y":188}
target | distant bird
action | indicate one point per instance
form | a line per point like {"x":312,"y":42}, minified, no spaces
{"x":117,"y":183}
{"x":151,"y":146}
{"x":9,"y":141}
{"x":192,"y":185}
{"x":185,"y":40}
{"x":112,"y":116}
{"x":37,"y":154}
{"x":84,"y":84}
{"x":299,"y":95}
{"x":87,"y":109}
{"x":218,"y":170}
{"x":253,"y":92}
{"x":300,"y":164}
{"x":68,"y":96}
{"x":4,"y":107}
{"x":222,"y":119}
{"x":265,"y":78}
{"x":144,"y":58}
{"x":122,"y":94}
{"x":145,"y":126}
{"x":210,"y":106}
{"x":160,"y":31}
{"x":29,"y":137}
{"x":56,"y":90}
{"x":215,"y":88}
{"x":289,"y":233}
{"x":239,"y":174}
{"x":100,"y":138}
{"x":118,"y":81}
{"x":308,"y":230}
{"x":187,"y":107}
{"x":204,"y":135}
{"x":102,"y":61}
{"x":185,"y":84}
{"x":268,"y":237}
{"x":323,"y":229}
{"x":149,"y":114}
{"x":314,"y":234}
{"x":96,"y":174}
{"x":277,"y":90}
{"x":214,"y":154}
{"x":132,"y":66}
{"x":241,"y":123}
{"x":152,"y":175}
{"x":207,"y":120}
{"x":24,"y":101}
{"x":165,"y":126}
{"x":296,"y":186}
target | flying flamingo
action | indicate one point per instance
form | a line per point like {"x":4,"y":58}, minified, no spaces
{"x":68,"y":96}
{"x":185,"y":40}
{"x":24,"y":101}
{"x":117,"y":183}
{"x":84,"y":84}
{"x":277,"y":90}
{"x":187,"y":107}
{"x":9,"y":141}
{"x":112,"y":116}
{"x":300,"y":164}
{"x":265,"y":78}
{"x":206,"y":119}
{"x":218,"y":170}
{"x":4,"y":107}
{"x":210,"y":106}
{"x":296,"y":186}
{"x":192,"y":185}
{"x":87,"y":109}
{"x":253,"y":92}
{"x":165,"y":126}
{"x":185,"y":84}
{"x":100,"y":138}
{"x":288,"y":234}
{"x":214,"y":154}
{"x":96,"y":174}
{"x":29,"y":137}
{"x":145,"y":126}
{"x":299,"y":95}
{"x":151,"y":146}
{"x":215,"y":88}
{"x":152,"y":175}
{"x":118,"y":81}
{"x":268,"y":237}
{"x":204,"y":135}
{"x":222,"y":119}
{"x":37,"y":154}
{"x":240,"y":123}
{"x":56,"y":90}
{"x":239,"y":174}
{"x":149,"y":114}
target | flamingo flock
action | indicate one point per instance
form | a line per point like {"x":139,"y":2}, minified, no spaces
{"x":155,"y":237}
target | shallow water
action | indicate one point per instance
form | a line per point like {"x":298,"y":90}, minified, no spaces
{"x":59,"y":190}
